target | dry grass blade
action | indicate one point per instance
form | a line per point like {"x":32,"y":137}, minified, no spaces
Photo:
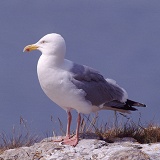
{"x":19,"y":137}
{"x":61,"y":126}
{"x":149,"y":133}
{"x":89,"y":125}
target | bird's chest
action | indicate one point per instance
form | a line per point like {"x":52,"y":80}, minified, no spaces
{"x":53,"y":82}
{"x":57,"y":85}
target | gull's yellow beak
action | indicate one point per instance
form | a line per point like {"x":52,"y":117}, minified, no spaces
{"x":30,"y":48}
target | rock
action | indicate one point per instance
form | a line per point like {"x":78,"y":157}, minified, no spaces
{"x":87,"y":149}
{"x":131,"y":154}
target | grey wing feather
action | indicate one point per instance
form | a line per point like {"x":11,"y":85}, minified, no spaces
{"x":98,"y":90}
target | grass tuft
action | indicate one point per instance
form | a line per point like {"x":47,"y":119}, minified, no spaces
{"x":90,"y":125}
{"x":19,"y":137}
{"x":149,"y":133}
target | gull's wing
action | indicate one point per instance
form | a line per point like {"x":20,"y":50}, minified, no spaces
{"x":98,"y":90}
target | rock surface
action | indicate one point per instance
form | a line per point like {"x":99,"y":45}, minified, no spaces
{"x":87,"y":149}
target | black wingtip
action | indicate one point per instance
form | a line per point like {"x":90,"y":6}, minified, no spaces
{"x":133,"y":103}
{"x":139,"y":104}
{"x":143,"y":105}
{"x":124,"y":107}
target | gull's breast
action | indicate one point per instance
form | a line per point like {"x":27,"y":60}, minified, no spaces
{"x":56,"y":84}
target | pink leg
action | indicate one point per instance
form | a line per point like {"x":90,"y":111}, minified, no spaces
{"x":74,"y":140}
{"x":68,"y":125}
{"x":67,"y":137}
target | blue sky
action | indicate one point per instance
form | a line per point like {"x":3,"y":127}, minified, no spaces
{"x":118,"y":38}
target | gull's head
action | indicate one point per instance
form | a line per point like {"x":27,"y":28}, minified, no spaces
{"x":50,"y":44}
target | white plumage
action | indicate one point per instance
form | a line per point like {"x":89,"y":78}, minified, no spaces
{"x":74,"y":86}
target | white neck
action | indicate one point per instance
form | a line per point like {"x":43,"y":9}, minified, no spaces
{"x":50,"y":60}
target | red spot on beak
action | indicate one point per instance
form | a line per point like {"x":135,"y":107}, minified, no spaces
{"x":27,"y":50}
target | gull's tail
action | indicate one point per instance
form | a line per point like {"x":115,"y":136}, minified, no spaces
{"x":123,"y":107}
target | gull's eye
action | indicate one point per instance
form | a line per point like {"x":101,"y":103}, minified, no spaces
{"x":43,"y":41}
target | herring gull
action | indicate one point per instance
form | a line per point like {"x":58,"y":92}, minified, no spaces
{"x":75,"y":86}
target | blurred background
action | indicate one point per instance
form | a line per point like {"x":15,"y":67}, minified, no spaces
{"x":121,"y":39}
